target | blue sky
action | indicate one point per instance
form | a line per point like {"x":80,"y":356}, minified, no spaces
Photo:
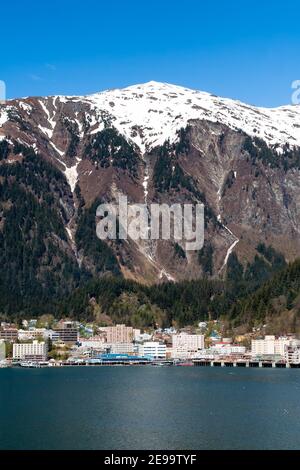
{"x":248,"y":50}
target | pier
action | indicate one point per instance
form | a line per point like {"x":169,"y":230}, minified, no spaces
{"x":246,"y":363}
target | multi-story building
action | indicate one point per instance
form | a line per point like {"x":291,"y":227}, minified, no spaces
{"x":35,"y":351}
{"x":67,"y":333}
{"x":292,"y":352}
{"x":119,"y":334}
{"x":188,"y":342}
{"x":292,"y":355}
{"x":2,"y":350}
{"x":54,"y":336}
{"x":185,"y":345}
{"x":136,"y":334}
{"x":33,"y":333}
{"x":92,"y":342}
{"x":153,"y":349}
{"x":222,"y":350}
{"x":120,"y":348}
{"x":269,"y":346}
{"x":227,"y":349}
{"x":9,"y":334}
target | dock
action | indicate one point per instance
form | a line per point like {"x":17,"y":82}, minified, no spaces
{"x":246,"y":363}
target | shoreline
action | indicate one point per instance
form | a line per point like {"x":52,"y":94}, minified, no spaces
{"x":195,"y":363}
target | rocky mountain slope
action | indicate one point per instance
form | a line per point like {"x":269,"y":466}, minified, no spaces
{"x":62,"y":155}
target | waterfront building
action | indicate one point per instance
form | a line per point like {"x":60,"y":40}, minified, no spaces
{"x":153,"y":350}
{"x":292,"y":352}
{"x":188,"y":342}
{"x":292,"y":355}
{"x":91,"y":346}
{"x":180,"y":353}
{"x":227,"y":349}
{"x":206,"y":355}
{"x":111,"y":359}
{"x":269,"y":346}
{"x":119,"y":334}
{"x":2,"y":350}
{"x":35,"y":351}
{"x":222,"y":350}
{"x":9,"y":334}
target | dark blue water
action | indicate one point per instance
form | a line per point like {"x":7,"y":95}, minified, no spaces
{"x":149,"y":408}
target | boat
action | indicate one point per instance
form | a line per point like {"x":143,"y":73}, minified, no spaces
{"x":31,"y":365}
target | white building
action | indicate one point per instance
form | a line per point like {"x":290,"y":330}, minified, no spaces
{"x":95,"y":342}
{"x":269,"y":346}
{"x":292,"y":352}
{"x":153,"y":349}
{"x":188,"y":342}
{"x":34,"y":351}
{"x":136,"y":334}
{"x":292,"y":355}
{"x":221,"y":350}
{"x":2,"y":350}
{"x":186,"y":346}
{"x":120,"y":348}
{"x":227,"y":349}
{"x":33,"y":333}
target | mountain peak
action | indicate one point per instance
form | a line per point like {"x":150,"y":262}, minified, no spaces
{"x":158,"y":110}
{"x":151,"y":113}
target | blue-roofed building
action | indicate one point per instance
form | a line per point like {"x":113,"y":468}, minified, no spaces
{"x":119,"y":359}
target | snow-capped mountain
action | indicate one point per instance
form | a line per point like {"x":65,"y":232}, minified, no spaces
{"x":160,"y":142}
{"x":159,"y":110}
{"x":153,"y":112}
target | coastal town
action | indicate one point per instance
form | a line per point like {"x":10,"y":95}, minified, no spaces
{"x":50,"y":343}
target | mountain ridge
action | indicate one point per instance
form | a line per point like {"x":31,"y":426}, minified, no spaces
{"x":253,"y":120}
{"x":163,"y":143}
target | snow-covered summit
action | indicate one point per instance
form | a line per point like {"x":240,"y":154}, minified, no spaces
{"x":152,"y":112}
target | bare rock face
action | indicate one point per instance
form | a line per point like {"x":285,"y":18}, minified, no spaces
{"x":165,"y":144}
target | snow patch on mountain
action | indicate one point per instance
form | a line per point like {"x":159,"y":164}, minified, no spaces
{"x":150,"y":113}
{"x":26,"y":107}
{"x":72,"y":174}
{"x":3,"y":117}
